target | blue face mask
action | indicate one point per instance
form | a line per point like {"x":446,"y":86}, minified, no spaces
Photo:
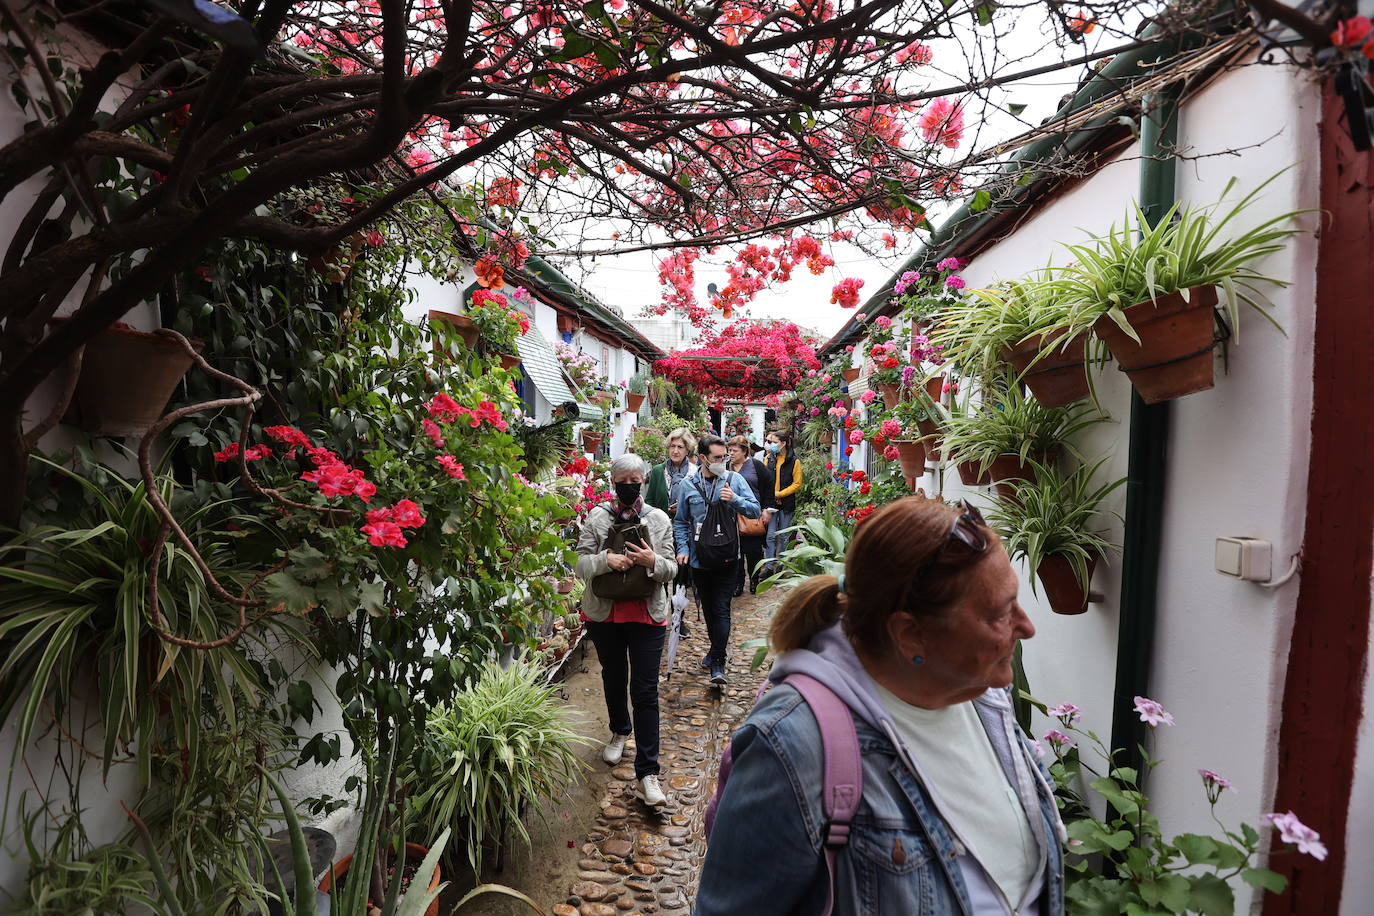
{"x":774,"y":447}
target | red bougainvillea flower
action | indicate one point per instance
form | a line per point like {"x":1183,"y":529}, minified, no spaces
{"x":443,"y":408}
{"x":489,"y":272}
{"x":942,"y":122}
{"x":384,"y":534}
{"x":1082,"y":23}
{"x":288,"y":435}
{"x":452,"y":467}
{"x":228,"y":453}
{"x":1352,"y":33}
{"x":504,"y":192}
{"x":846,"y":293}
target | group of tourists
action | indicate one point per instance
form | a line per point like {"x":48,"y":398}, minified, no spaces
{"x":883,"y":772}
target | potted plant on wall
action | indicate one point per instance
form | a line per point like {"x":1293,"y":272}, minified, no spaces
{"x":1152,"y":289}
{"x":1004,"y":437}
{"x":1054,"y":523}
{"x":499,"y":325}
{"x":636,"y":390}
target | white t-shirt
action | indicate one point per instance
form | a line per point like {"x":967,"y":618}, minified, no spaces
{"x":971,"y":791}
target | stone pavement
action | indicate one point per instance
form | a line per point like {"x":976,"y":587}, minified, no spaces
{"x":639,"y":862}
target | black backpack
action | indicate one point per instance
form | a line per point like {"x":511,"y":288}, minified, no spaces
{"x":635,"y":583}
{"x":717,"y":537}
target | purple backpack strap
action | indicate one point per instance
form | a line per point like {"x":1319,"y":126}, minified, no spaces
{"x":843,"y":768}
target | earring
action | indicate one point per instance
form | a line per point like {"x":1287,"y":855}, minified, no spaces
{"x":917,"y":659}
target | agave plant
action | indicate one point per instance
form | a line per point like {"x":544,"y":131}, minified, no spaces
{"x":1142,"y":260}
{"x":1011,"y":423}
{"x":1057,"y":514}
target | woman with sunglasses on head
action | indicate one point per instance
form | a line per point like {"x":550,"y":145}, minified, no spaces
{"x":955,"y":814}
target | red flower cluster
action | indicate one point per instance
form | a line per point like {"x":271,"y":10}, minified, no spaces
{"x":384,"y":526}
{"x":452,"y":467}
{"x":335,"y":478}
{"x":846,"y":293}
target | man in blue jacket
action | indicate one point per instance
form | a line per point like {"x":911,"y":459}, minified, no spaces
{"x":715,"y":586}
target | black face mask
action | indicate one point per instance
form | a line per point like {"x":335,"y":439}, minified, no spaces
{"x":627,"y":493}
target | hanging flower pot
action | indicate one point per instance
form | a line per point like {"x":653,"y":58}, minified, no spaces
{"x":912,"y":457}
{"x":930,"y":438}
{"x":126,"y":379}
{"x":973,"y":474}
{"x":591,"y":442}
{"x":1174,"y":356}
{"x":633,"y":402}
{"x":1060,"y":378}
{"x":1008,"y":468}
{"x":850,"y":375}
{"x":935,"y":387}
{"x":1062,"y":588}
{"x":892,"y":394}
{"x":462,"y":325}
{"x":509,"y":361}
{"x":565,"y":585}
{"x":415,"y":853}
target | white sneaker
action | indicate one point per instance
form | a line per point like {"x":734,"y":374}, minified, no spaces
{"x":651,"y":793}
{"x":615,"y":749}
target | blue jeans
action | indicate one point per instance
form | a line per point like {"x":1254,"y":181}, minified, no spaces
{"x":777,"y":542}
{"x":631,"y":652}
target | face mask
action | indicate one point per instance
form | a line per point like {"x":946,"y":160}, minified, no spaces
{"x":717,"y":468}
{"x":774,"y":447}
{"x":627,"y":493}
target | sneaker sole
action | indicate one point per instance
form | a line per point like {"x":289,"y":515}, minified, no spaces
{"x":657,"y":804}
{"x":719,"y":680}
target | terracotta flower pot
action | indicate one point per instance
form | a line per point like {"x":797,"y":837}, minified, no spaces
{"x":912,"y":457}
{"x":930,"y":438}
{"x":850,"y":375}
{"x":565,"y":585}
{"x":461,"y":324}
{"x":1061,"y":587}
{"x":935,"y":388}
{"x":1060,"y":378}
{"x":1009,"y":467}
{"x":126,"y":379}
{"x":891,"y":394}
{"x":591,"y":442}
{"x":414,"y":851}
{"x":973,"y":475}
{"x":1174,"y":356}
{"x":509,"y":361}
{"x":633,"y":402}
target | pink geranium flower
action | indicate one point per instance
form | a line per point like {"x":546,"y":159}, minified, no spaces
{"x":407,"y":514}
{"x":856,"y":436}
{"x":1058,"y":739}
{"x":1152,"y":713}
{"x":384,"y":534}
{"x":869,"y":396}
{"x":452,"y":467}
{"x":1294,"y":831}
{"x":1066,"y":713}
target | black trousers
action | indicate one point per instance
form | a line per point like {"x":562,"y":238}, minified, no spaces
{"x":715,"y":590}
{"x":751,"y":552}
{"x":630,"y":652}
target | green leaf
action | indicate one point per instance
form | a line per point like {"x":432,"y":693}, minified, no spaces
{"x":1016,"y":108}
{"x":985,"y":11}
{"x":309,"y":565}
{"x":981,"y":201}
{"x":300,"y":699}
{"x":284,"y":592}
{"x":1198,"y":850}
{"x":1273,"y":882}
{"x":606,"y":56}
{"x":372,"y":598}
{"x":1211,"y":896}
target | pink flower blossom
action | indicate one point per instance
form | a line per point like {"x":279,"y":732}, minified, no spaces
{"x":443,"y":408}
{"x":891,"y":429}
{"x":904,"y":281}
{"x":288,"y":435}
{"x":1294,"y":831}
{"x":1066,"y":712}
{"x":419,"y":159}
{"x":1058,"y":739}
{"x":942,"y":122}
{"x":955,"y":282}
{"x":891,"y":453}
{"x":227,"y":453}
{"x":846,"y":293}
{"x":384,"y":534}
{"x":451,"y":467}
{"x":950,"y":264}
{"x":1152,"y":713}
{"x":856,"y":436}
{"x":839,"y":410}
{"x":255,"y":452}
{"x":432,"y":430}
{"x":869,"y":396}
{"x":1209,"y":776}
{"x":407,"y":514}
{"x":883,"y":322}
{"x":815,"y":411}
{"x":1352,"y":32}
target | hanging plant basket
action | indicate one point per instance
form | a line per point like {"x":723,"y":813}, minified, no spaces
{"x":633,"y":402}
{"x":127,"y":377}
{"x":461,"y":324}
{"x":508,"y":361}
{"x":973,"y":474}
{"x":1060,"y":378}
{"x":850,"y":375}
{"x":1061,"y":586}
{"x":414,"y":853}
{"x":912,"y":457}
{"x":1174,"y":356}
{"x":591,"y":442}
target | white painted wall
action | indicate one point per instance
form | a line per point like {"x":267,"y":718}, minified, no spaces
{"x":1237,"y":465}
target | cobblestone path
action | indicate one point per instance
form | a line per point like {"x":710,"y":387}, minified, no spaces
{"x":639,"y":861}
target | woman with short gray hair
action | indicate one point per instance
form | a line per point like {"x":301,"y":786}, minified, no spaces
{"x":664,"y":479}
{"x":625,"y":553}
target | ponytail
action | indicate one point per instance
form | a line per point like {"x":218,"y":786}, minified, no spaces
{"x":810,"y":607}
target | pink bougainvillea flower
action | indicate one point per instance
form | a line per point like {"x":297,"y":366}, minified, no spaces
{"x":1294,"y":831}
{"x":1152,"y":713}
{"x":419,"y":158}
{"x":1066,"y":712}
{"x":407,"y":514}
{"x":1352,"y":32}
{"x":432,"y":430}
{"x":443,"y":408}
{"x":384,"y":534}
{"x":846,"y":293}
{"x":452,"y":467}
{"x":228,"y":453}
{"x":942,"y":122}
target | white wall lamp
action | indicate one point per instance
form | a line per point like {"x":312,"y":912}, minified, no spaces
{"x":1251,"y":560}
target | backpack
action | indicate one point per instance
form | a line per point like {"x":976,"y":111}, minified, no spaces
{"x":635,"y":583}
{"x":717,"y":537}
{"x":843,"y":780}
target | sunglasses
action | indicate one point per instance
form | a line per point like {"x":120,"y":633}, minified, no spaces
{"x":967,"y":537}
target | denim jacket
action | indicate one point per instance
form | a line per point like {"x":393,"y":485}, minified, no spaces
{"x":902,"y":859}
{"x":691,"y":507}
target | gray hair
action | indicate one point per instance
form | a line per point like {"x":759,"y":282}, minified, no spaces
{"x":686,"y":436}
{"x":629,"y":463}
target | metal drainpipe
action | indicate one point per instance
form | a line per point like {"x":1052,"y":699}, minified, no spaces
{"x":1146,"y":475}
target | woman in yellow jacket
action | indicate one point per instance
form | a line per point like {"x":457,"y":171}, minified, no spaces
{"x":787,"y":480}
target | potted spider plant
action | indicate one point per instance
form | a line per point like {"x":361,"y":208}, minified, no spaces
{"x":1008,"y":433}
{"x":636,"y":389}
{"x":1151,"y":291}
{"x":1049,"y":359}
{"x":1053,"y":521}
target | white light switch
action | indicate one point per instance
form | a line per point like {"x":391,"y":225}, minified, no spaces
{"x":1250,"y":559}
